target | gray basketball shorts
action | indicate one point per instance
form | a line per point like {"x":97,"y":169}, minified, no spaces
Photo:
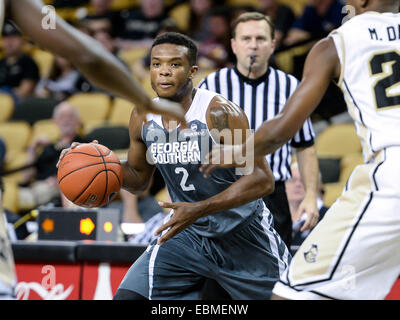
{"x":245,"y":262}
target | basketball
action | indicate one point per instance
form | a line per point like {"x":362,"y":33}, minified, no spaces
{"x":90,"y":175}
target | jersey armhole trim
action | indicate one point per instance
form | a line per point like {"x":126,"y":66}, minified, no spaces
{"x":343,"y":62}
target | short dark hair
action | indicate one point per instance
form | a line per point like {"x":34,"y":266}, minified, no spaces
{"x":252,"y":16}
{"x":180,"y":40}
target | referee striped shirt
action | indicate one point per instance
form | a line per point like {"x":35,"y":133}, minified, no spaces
{"x":262,"y":99}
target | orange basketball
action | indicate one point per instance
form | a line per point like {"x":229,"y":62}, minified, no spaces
{"x":90,"y":175}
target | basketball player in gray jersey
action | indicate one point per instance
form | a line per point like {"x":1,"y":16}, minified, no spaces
{"x":95,"y":62}
{"x":228,"y":232}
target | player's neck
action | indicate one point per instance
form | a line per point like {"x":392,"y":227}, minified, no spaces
{"x":185,"y":100}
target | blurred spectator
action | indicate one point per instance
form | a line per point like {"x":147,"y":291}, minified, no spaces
{"x":102,"y":18}
{"x":40,"y":181}
{"x":83,"y":26}
{"x":141,"y":25}
{"x":61,"y":82}
{"x":19,"y":73}
{"x":236,"y":11}
{"x":281,"y":15}
{"x":105,"y":38}
{"x":152,"y":215}
{"x":215,"y":51}
{"x":295,"y":193}
{"x":318,"y":19}
{"x":198,"y":23}
{"x":138,"y":208}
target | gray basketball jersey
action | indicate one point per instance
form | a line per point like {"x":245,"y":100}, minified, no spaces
{"x":178,"y":155}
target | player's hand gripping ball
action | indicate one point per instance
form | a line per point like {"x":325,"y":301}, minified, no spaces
{"x":90,"y":175}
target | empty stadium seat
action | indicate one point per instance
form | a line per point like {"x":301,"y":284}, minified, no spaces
{"x":338,"y":140}
{"x":132,"y":55}
{"x":146,"y":84}
{"x":10,"y":196}
{"x":6,"y":106}
{"x":348,"y":163}
{"x":181,"y":15}
{"x":120,"y":112}
{"x":91,"y":106}
{"x":201,"y":75}
{"x":113,"y":137}
{"x":15,"y":160}
{"x":117,"y":5}
{"x":45,"y":128}
{"x":34,"y":109}
{"x":16,"y":135}
{"x":332,"y":192}
{"x":44,"y":60}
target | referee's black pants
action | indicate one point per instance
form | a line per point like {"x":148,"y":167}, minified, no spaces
{"x":278,"y":204}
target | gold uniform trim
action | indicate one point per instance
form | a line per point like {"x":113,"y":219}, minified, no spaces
{"x":383,"y":75}
{"x":343,"y":52}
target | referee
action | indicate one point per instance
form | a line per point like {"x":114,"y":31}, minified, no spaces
{"x":262,"y":92}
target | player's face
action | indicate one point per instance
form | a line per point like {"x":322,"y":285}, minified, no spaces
{"x":67,"y":121}
{"x":170,"y":71}
{"x":13,"y":45}
{"x":253,"y":38}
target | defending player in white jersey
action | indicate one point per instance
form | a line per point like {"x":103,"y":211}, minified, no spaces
{"x":353,"y":253}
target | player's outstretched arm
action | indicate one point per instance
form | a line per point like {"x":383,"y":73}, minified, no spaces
{"x":322,"y":64}
{"x":99,"y":66}
{"x":222,"y":115}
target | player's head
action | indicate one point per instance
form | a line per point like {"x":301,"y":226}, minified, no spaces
{"x":66,"y":117}
{"x":13,"y":41}
{"x":173,"y":65}
{"x":252,"y":35}
{"x":361,"y":6}
{"x":101,"y":6}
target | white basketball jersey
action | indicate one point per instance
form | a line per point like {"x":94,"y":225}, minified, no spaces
{"x":368,"y":47}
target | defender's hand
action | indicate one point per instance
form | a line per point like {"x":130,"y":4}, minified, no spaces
{"x":185,"y":213}
{"x":308,"y":206}
{"x":222,"y":156}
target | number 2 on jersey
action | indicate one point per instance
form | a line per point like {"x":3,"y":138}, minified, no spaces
{"x":185,"y":176}
{"x":387,"y":81}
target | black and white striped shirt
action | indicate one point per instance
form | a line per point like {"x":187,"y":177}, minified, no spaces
{"x":262,"y":99}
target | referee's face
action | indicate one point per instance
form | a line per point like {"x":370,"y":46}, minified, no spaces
{"x":170,"y":71}
{"x":253,"y":38}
